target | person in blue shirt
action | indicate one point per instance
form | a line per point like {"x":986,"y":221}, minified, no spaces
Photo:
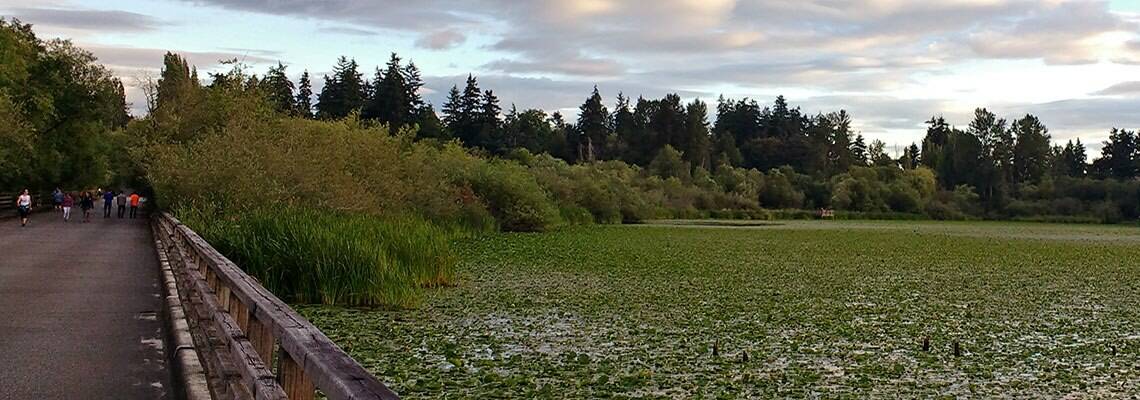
{"x":57,"y":199}
{"x":108,"y":200}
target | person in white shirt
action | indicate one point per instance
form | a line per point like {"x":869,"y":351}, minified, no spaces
{"x":24,"y":206}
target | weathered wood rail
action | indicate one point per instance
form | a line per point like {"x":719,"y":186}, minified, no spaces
{"x":253,"y":345}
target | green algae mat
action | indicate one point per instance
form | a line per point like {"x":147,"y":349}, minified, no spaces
{"x":802,"y":309}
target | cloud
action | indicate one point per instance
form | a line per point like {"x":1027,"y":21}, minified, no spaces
{"x":137,"y":58}
{"x":569,"y":65}
{"x":380,"y":14}
{"x":345,"y":30}
{"x":95,"y":20}
{"x":1064,"y":33}
{"x":871,"y":57}
{"x":1119,"y":89}
{"x":441,"y":40}
{"x":1069,"y":118}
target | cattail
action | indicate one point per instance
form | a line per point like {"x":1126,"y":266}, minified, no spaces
{"x":716,"y":348}
{"x":926,"y":344}
{"x":957,"y":349}
{"x":744,"y":356}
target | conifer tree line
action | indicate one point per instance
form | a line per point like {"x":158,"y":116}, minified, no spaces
{"x":989,"y":154}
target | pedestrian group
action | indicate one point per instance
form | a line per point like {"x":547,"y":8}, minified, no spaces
{"x":65,"y":201}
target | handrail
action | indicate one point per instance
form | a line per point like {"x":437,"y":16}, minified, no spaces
{"x":244,"y":326}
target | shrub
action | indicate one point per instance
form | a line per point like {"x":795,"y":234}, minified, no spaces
{"x":514,"y":197}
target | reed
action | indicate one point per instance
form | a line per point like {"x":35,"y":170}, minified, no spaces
{"x":329,"y":257}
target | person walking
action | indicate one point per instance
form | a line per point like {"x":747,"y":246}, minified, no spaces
{"x":121,"y":201}
{"x":87,"y":203}
{"x":24,"y":206}
{"x":66,"y":204}
{"x":57,"y":199}
{"x":108,"y":200}
{"x":134,"y":204}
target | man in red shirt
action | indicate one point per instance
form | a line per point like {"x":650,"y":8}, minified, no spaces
{"x":134,"y":204}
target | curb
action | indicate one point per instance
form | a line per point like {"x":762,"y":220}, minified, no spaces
{"x":187,"y":373}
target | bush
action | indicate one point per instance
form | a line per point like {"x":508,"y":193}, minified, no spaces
{"x":514,"y":197}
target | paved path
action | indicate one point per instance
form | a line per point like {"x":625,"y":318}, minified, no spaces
{"x":80,"y":310}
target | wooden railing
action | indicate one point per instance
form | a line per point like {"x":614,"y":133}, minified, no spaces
{"x":253,"y":345}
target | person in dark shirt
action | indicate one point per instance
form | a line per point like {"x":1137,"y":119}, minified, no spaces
{"x":87,"y":203}
{"x":121,"y":201}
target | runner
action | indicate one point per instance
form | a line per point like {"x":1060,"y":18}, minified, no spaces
{"x":24,"y":207}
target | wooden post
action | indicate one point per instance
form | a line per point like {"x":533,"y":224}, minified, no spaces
{"x":239,"y":311}
{"x":293,"y":380}
{"x":261,"y":336}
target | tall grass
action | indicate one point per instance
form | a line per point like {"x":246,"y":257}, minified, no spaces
{"x":328,"y":257}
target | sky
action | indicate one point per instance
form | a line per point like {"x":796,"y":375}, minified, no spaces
{"x":892,"y":64}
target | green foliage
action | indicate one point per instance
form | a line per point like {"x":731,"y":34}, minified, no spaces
{"x":310,"y":255}
{"x":513,"y":196}
{"x":58,"y":108}
{"x":669,"y":163}
{"x":631,"y":312}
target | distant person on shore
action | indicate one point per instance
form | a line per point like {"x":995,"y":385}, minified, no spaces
{"x":66,"y":204}
{"x":108,"y":200}
{"x":121,"y":201}
{"x":24,"y":206}
{"x":57,"y":198}
{"x":87,"y":203}
{"x":134,"y":204}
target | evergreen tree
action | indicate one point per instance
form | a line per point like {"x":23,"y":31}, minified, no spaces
{"x":344,"y":92}
{"x":390,"y":103}
{"x":992,"y":135}
{"x":304,"y":100}
{"x":666,"y":124}
{"x":859,"y":152}
{"x":1077,"y":162}
{"x":463,"y":111}
{"x":838,"y":146}
{"x":176,"y":87}
{"x":641,"y":139}
{"x":911,"y":157}
{"x":489,"y":123}
{"x":593,"y":128}
{"x":278,"y":89}
{"x":697,"y":141}
{"x":562,"y":130}
{"x":624,"y":127}
{"x":1118,"y":155}
{"x":937,"y":135}
{"x":1031,"y":152}
{"x":453,"y":109}
{"x":1003,"y":147}
{"x":430,"y":125}
{"x":413,"y":82}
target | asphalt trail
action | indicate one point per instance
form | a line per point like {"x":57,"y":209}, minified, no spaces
{"x":80,"y":309}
